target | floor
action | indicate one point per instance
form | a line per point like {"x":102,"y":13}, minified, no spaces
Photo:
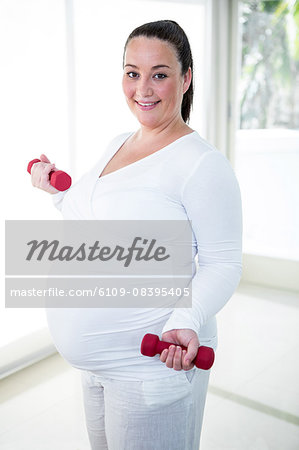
{"x":253,"y":398}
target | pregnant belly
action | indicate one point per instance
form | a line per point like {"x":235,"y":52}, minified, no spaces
{"x":100,"y":339}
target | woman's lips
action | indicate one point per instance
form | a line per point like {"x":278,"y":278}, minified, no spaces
{"x":147,"y":106}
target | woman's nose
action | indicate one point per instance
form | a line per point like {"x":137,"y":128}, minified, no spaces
{"x":144,"y":88}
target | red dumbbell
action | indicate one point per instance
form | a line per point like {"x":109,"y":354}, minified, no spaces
{"x":151,"y":346}
{"x":58,"y":179}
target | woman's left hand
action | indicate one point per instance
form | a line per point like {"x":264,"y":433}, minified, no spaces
{"x":174,"y":357}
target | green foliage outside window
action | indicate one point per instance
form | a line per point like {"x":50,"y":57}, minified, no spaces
{"x":269,"y":85}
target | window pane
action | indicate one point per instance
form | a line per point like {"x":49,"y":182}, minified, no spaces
{"x":267,"y":141}
{"x":33,"y":117}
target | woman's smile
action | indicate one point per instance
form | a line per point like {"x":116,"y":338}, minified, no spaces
{"x":147,"y":106}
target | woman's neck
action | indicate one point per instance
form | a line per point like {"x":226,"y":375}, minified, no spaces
{"x":171,"y":131}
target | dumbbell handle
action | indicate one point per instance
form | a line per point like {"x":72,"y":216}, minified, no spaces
{"x":151,"y":346}
{"x":58,"y":179}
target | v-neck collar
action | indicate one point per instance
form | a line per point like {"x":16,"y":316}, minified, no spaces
{"x":94,"y":176}
{"x":145,"y":158}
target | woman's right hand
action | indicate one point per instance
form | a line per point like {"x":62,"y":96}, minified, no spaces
{"x":40,"y":175}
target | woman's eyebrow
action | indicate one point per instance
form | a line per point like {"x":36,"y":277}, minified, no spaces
{"x":159,"y":66}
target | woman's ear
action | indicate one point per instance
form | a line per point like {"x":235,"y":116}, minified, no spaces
{"x":187,"y":80}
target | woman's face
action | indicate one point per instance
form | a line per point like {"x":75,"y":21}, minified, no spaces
{"x":152,"y":82}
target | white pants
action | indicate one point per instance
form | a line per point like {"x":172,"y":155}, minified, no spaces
{"x":160,"y":414}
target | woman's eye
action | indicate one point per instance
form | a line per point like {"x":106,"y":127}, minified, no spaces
{"x":132,"y":74}
{"x":160,"y":76}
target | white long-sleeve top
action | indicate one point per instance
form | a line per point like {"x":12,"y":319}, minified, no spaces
{"x":186,"y":180}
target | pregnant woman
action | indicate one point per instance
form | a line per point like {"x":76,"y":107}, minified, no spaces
{"x":162,"y":171}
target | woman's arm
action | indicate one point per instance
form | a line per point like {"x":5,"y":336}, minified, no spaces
{"x":212,"y":200}
{"x":58,"y":199}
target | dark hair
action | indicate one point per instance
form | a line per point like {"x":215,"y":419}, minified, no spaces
{"x":171,"y":32}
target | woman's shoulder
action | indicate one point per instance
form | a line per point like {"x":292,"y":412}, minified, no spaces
{"x":190,"y":150}
{"x":197,"y":145}
{"x":195,"y":157}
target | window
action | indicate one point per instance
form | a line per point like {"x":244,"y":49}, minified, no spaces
{"x":33,"y":116}
{"x":267,"y":139}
